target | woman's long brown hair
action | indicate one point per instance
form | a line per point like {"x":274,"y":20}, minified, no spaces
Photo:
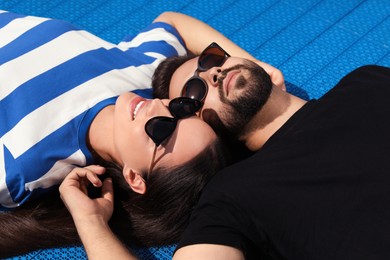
{"x":156,"y":218}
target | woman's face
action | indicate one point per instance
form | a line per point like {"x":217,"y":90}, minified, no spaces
{"x":134,"y":148}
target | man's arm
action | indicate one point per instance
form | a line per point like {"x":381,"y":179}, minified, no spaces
{"x":208,"y":251}
{"x":197,"y":35}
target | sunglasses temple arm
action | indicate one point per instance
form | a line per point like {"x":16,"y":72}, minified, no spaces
{"x":152,"y":163}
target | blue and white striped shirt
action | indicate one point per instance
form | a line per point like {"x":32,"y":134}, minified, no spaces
{"x":54,"y":78}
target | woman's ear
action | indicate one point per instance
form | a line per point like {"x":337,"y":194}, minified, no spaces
{"x":135,"y":180}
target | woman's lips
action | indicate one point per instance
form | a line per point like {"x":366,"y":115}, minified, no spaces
{"x":135,"y":106}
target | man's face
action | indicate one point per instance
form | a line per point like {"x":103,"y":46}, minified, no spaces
{"x":236,"y":92}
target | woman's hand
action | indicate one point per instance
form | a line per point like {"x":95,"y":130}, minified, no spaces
{"x":73,"y":191}
{"x":91,"y":215}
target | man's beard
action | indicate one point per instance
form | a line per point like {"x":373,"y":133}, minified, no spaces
{"x":256,"y":89}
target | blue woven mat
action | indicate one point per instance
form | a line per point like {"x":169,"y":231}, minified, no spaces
{"x":313,"y":42}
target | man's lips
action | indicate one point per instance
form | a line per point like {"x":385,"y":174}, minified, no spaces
{"x":230,"y":81}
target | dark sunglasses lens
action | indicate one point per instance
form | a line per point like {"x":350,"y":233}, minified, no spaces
{"x":183,"y":107}
{"x":211,"y":57}
{"x":195,"y":88}
{"x":160,"y":128}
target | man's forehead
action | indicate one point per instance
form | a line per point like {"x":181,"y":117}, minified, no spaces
{"x":191,"y":64}
{"x":181,"y":75}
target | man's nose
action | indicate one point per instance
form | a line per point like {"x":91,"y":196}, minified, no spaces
{"x":211,"y":76}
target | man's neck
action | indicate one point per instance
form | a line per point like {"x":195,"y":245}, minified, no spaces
{"x":275,"y":113}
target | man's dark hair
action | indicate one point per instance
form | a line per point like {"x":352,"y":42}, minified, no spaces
{"x":163,"y":74}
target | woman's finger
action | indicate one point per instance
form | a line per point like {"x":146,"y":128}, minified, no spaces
{"x":108,"y":190}
{"x":96,"y":169}
{"x":90,"y":172}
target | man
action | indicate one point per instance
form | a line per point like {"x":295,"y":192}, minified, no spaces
{"x":317,"y":188}
{"x":232,"y":89}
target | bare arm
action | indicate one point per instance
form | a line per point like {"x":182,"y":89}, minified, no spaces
{"x":100,"y":242}
{"x":198,"y":35}
{"x":208,"y":251}
{"x":91,"y":215}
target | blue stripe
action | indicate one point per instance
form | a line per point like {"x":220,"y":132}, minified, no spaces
{"x":39,"y":159}
{"x":145,"y":93}
{"x":33,"y":38}
{"x":7,"y":17}
{"x":59,"y":80}
{"x":15,"y":182}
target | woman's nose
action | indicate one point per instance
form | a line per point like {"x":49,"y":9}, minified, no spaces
{"x":159,"y":107}
{"x":165,"y":102}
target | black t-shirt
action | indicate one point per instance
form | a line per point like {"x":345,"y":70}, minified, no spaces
{"x":318,"y":189}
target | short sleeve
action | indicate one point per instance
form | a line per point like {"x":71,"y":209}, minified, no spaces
{"x":216,"y":220}
{"x":158,"y":40}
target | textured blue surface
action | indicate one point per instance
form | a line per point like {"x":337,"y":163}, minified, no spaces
{"x":313,"y":42}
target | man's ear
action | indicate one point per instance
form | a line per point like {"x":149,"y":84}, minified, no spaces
{"x":135,"y":180}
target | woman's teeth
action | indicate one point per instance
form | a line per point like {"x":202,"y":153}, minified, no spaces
{"x":136,"y":109}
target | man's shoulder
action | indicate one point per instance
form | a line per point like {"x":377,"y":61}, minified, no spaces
{"x":366,"y":76}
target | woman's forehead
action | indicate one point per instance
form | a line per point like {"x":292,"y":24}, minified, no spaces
{"x":191,"y":137}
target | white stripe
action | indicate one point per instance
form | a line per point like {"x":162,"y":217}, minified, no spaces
{"x":5,"y":196}
{"x":56,"y":113}
{"x":46,"y":57}
{"x":58,"y":172}
{"x":2,"y":11}
{"x":158,"y":34}
{"x":17,"y":27}
{"x":156,"y":55}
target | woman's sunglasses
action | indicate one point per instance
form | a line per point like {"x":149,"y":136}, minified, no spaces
{"x":160,"y":128}
{"x":212,"y":56}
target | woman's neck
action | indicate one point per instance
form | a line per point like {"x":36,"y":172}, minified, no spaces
{"x":100,"y":134}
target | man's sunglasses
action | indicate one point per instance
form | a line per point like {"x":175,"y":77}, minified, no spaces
{"x":212,"y":56}
{"x":160,"y":128}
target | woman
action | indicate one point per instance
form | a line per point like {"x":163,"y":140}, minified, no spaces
{"x":59,"y":110}
{"x":160,"y":154}
{"x":54,"y":81}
